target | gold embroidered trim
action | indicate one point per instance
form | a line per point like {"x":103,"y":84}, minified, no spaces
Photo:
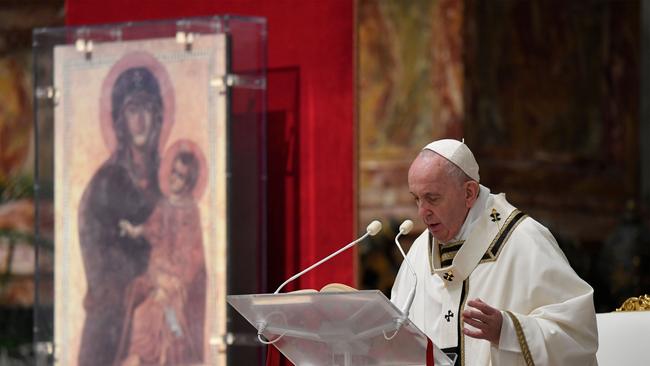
{"x":430,"y":252}
{"x":461,"y":324}
{"x":448,"y":256}
{"x":433,"y":242}
{"x":521,"y":337}
{"x":505,"y":231}
{"x":499,"y":240}
{"x":452,"y":244}
{"x":456,"y":245}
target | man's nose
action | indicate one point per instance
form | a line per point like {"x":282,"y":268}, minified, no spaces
{"x":424,"y":210}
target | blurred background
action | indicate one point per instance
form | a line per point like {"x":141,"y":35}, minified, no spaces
{"x":17,"y":214}
{"x":549,"y":95}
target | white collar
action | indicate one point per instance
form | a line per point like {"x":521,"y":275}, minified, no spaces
{"x":473,"y":214}
{"x":483,"y":224}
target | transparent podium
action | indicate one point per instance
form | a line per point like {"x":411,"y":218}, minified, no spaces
{"x":336,"y":328}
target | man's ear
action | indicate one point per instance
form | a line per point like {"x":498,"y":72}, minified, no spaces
{"x":471,"y":188}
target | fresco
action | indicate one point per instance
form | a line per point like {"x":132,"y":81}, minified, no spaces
{"x":410,"y":91}
{"x":553,"y":119}
{"x":545,"y":93}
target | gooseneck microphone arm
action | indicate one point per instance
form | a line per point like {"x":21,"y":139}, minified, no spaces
{"x":371,"y":230}
{"x":404,"y":229}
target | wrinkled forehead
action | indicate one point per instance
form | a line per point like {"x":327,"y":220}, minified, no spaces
{"x":427,"y":163}
{"x":431,"y":172}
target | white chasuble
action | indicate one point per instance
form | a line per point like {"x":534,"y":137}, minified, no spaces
{"x":514,"y":264}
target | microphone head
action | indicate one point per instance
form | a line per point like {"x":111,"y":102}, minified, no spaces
{"x":373,"y":228}
{"x":406,"y":227}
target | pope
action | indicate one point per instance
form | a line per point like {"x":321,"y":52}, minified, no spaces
{"x":493,"y":285}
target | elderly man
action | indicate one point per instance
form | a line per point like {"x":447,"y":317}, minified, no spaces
{"x":492,"y":284}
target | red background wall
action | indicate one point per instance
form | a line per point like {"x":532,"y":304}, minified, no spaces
{"x":310,"y":121}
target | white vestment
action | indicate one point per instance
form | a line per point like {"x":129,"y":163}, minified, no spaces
{"x":514,"y":264}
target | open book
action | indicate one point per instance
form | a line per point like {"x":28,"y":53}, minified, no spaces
{"x":330,"y":287}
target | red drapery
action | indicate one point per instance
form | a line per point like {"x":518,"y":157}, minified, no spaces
{"x":311,"y":137}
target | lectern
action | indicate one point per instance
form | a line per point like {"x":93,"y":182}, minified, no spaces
{"x":337,"y":328}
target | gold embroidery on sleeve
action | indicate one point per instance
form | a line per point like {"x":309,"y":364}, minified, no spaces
{"x":521,"y":337}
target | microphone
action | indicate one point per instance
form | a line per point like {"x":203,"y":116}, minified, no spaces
{"x":371,"y":230}
{"x":404,"y":229}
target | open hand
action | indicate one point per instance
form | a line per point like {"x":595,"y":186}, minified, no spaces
{"x":486,"y":319}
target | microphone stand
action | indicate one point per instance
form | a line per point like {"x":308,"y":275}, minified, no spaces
{"x":371,"y":230}
{"x":404,"y":229}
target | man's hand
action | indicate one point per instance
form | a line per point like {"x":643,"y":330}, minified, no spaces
{"x":486,"y":319}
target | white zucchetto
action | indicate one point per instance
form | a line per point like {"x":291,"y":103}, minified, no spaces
{"x":458,"y":153}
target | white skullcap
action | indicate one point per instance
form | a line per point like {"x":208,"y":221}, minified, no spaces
{"x":458,"y":153}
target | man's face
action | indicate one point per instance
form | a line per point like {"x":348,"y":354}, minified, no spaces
{"x":139,"y":120}
{"x":443,"y":201}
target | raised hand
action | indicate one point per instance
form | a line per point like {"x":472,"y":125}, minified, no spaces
{"x":486,"y":319}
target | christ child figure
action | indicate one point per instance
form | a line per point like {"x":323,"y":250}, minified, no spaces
{"x":166,"y":305}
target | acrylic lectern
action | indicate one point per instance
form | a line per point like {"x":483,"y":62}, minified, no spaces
{"x":336,"y":328}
